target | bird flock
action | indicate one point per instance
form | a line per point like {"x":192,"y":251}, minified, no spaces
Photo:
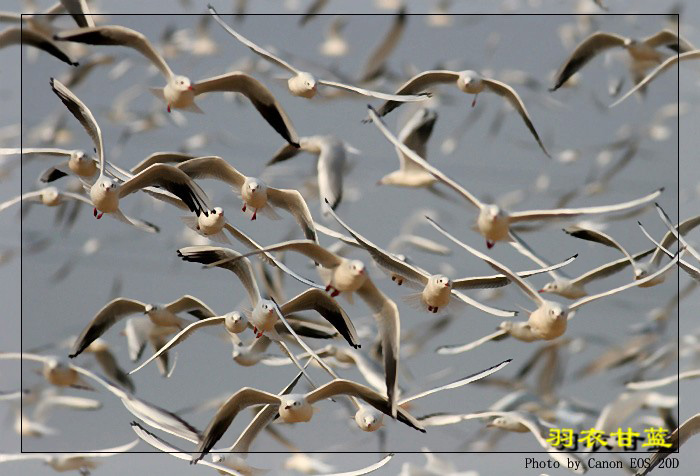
{"x":352,"y":344}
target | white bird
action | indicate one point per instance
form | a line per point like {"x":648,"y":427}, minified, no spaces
{"x":344,"y":275}
{"x":253,"y":191}
{"x":469,"y":82}
{"x":643,"y":53}
{"x":438,"y":289}
{"x":159,"y":444}
{"x":680,"y":435}
{"x":105,"y":193}
{"x":293,"y":408}
{"x":78,"y":162}
{"x":235,"y":324}
{"x":180,"y":91}
{"x":304,"y":84}
{"x":262,"y":316}
{"x":693,"y":271}
{"x":494,"y":222}
{"x":161,"y":315}
{"x":677,"y":233}
{"x":35,"y":38}
{"x":49,"y":196}
{"x":514,"y":421}
{"x":61,"y":462}
{"x":56,"y":371}
{"x":574,"y":288}
{"x":414,"y":134}
{"x":597,"y":236}
{"x":375,"y":65}
{"x":642,"y":270}
{"x":330,"y":166}
{"x":688,"y":55}
{"x":334,"y":45}
{"x":550,"y":319}
{"x":61,"y":373}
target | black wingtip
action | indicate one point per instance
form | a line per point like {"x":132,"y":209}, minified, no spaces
{"x":75,"y":63}
{"x":639,"y":223}
{"x":294,"y":144}
{"x":55,"y":37}
{"x":575,"y":256}
{"x":662,"y":189}
{"x":72,"y":356}
{"x":508,"y":360}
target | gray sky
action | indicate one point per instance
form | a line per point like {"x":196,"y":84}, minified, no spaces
{"x":487,"y":165}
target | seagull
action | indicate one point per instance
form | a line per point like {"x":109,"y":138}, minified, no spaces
{"x":332,"y":156}
{"x":108,"y":363}
{"x":688,"y":55}
{"x":574,"y":288}
{"x":161,"y":315}
{"x":61,"y":462}
{"x":469,"y":82}
{"x":549,"y":320}
{"x":180,"y":91}
{"x":35,"y":38}
{"x":514,"y":421}
{"x":49,"y":196}
{"x":266,"y":312}
{"x":643,"y":270}
{"x":80,"y":163}
{"x":676,"y":233}
{"x":293,"y":408}
{"x":304,"y":84}
{"x":334,"y":45}
{"x":105,"y":192}
{"x":494,"y":222}
{"x":415,"y":135}
{"x":235,"y":324}
{"x":375,"y":65}
{"x":643,"y":53}
{"x":159,"y":444}
{"x":253,"y":191}
{"x":262,"y":317}
{"x":437,"y":290}
{"x":56,"y":371}
{"x":344,"y":275}
{"x":680,"y":435}
{"x":596,"y":236}
{"x":692,"y":271}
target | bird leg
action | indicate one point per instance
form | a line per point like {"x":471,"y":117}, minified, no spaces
{"x":397,"y":279}
{"x":94,"y":212}
{"x":328,"y":287}
{"x":335,"y":293}
{"x":435,"y":310}
{"x":258,"y":335}
{"x":430,"y":308}
{"x":474,"y":100}
{"x":243,"y":207}
{"x":490,"y":244}
{"x":168,"y":107}
{"x":255,"y":215}
{"x":255,"y":330}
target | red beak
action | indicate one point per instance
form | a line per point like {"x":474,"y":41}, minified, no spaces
{"x":191,"y":88}
{"x":541,"y":291}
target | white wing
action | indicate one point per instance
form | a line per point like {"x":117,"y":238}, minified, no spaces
{"x":253,"y":47}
